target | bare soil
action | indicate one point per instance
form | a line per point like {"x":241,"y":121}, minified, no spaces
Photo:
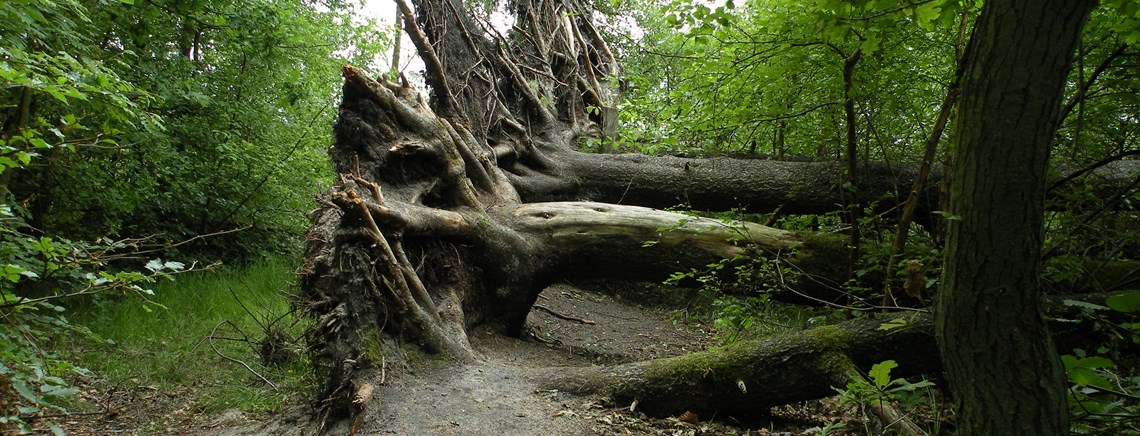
{"x":496,"y":396}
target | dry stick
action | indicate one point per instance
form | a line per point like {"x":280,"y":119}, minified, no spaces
{"x":868,"y":307}
{"x":895,"y":420}
{"x":431,"y":59}
{"x":899,"y":242}
{"x":394,"y":270}
{"x":511,"y":68}
{"x":373,"y":188}
{"x":595,"y":88}
{"x":239,"y":362}
{"x":482,"y":163}
{"x":461,"y":153}
{"x":948,"y":103}
{"x":599,"y":44}
{"x":404,"y":113}
{"x":402,"y":291}
{"x":417,"y":286}
{"x":264,"y":327}
{"x":396,"y":45}
{"x":559,"y":315}
{"x":1082,"y":92}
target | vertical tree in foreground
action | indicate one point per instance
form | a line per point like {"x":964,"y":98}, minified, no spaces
{"x":1002,"y":366}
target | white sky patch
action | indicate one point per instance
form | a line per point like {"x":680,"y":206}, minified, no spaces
{"x":384,"y":13}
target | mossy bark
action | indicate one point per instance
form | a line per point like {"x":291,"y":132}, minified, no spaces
{"x":746,"y":378}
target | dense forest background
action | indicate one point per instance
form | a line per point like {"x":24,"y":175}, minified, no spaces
{"x":142,"y":139}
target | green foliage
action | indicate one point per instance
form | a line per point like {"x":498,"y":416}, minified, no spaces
{"x":235,"y":310}
{"x":174,"y":119}
{"x":1092,"y":244}
{"x":38,"y":275}
{"x":736,"y":293}
{"x":178,"y":118}
{"x":764,"y":77}
{"x":881,"y":387}
{"x":1103,"y":395}
{"x":57,"y":94}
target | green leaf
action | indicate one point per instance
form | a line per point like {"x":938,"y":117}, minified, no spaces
{"x":880,"y":373}
{"x":947,"y":215}
{"x":1086,"y":377}
{"x":1126,"y":303}
{"x":901,"y":385}
{"x":24,"y":390}
{"x":1083,"y":305}
{"x":927,"y":14}
{"x":154,"y":264}
{"x":871,"y":43}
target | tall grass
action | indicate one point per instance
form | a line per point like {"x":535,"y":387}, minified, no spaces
{"x":205,"y":326}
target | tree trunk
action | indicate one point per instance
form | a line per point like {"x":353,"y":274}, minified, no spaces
{"x":746,"y":378}
{"x":1001,"y":363}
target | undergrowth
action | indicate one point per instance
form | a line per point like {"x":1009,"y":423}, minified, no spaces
{"x":207,"y":327}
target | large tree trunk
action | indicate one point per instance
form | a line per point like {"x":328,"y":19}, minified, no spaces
{"x":1002,"y":366}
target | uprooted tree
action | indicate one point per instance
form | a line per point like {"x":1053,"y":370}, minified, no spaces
{"x":457,"y":211}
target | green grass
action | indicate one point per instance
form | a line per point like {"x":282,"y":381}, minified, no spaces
{"x":168,"y":347}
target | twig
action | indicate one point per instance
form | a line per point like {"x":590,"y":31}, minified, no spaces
{"x":239,"y":362}
{"x":264,"y":328}
{"x":559,"y":315}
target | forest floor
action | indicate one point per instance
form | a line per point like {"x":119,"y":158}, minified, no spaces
{"x":500,"y":395}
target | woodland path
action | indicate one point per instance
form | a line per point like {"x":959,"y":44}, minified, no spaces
{"x":500,"y":395}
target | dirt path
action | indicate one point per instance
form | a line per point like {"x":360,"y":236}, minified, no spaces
{"x":500,"y":395}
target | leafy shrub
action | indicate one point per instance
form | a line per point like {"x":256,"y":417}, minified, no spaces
{"x":37,"y":275}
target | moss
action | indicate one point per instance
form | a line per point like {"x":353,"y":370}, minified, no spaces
{"x":829,"y":337}
{"x":825,"y":246}
{"x":685,"y":369}
{"x":413,"y":355}
{"x":836,"y":363}
{"x":417,"y":357}
{"x":482,"y":220}
{"x":736,"y":358}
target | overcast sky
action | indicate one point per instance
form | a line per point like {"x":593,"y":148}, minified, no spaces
{"x":384,"y":11}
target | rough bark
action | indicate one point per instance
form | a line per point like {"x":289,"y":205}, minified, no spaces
{"x":1003,"y":369}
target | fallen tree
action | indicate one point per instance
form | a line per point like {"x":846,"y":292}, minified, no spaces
{"x":746,"y":378}
{"x":458,"y":211}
